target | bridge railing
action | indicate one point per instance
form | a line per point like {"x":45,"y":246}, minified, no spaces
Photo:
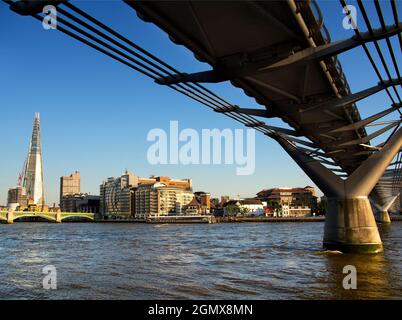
{"x":314,"y":19}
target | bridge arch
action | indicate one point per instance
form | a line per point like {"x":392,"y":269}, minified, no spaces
{"x":10,"y":217}
{"x":83,"y":216}
{"x":46,"y":216}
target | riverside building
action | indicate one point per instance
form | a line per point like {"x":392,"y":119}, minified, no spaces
{"x":130,"y":196}
{"x":81,"y":202}
{"x":116,"y":196}
{"x":204,"y":199}
{"x":70,"y":185}
{"x":17,"y":197}
{"x":160,"y":199}
{"x":292,"y":197}
{"x":245,"y":207}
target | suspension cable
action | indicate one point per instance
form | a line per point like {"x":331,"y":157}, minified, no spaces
{"x":368,"y":54}
{"x":195,"y":86}
{"x":378,"y":49}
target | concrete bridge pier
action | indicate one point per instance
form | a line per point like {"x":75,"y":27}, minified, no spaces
{"x":350,"y":225}
{"x":382,"y":215}
{"x":10,"y":217}
{"x":58,"y":217}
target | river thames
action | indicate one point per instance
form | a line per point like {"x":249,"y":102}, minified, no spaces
{"x":219,"y":261}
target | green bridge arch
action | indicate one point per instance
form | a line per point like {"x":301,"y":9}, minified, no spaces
{"x":47,"y":216}
{"x":67,"y":215}
{"x":11,"y":216}
{"x":3,"y":215}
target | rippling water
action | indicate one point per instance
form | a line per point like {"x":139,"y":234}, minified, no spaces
{"x":221,"y":261}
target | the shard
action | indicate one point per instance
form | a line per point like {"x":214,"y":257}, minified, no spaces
{"x":33,"y":177}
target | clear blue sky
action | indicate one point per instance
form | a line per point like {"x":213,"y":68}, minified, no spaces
{"x":96,"y":112}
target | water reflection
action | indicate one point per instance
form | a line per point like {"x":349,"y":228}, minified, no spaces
{"x":373,"y":281}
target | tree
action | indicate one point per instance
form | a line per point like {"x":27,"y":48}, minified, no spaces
{"x":232,"y":209}
{"x":244,"y":211}
{"x":215,"y":202}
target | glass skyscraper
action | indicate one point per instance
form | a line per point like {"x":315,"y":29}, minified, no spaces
{"x":33,"y":176}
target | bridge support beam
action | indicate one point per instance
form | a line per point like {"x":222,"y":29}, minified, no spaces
{"x":350,"y":225}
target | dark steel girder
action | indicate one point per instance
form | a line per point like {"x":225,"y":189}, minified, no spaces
{"x":327,"y":105}
{"x":275,"y":57}
{"x":347,"y":100}
{"x":367,"y":138}
{"x":362,"y":123}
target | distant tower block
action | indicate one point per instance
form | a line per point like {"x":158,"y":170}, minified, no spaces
{"x":70,"y":185}
{"x":33,"y":177}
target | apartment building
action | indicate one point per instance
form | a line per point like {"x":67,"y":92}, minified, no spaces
{"x":130,"y":196}
{"x":116,"y":196}
{"x":159,"y":199}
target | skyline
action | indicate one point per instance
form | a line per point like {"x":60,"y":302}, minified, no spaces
{"x":233,"y":196}
{"x":115,"y":119}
